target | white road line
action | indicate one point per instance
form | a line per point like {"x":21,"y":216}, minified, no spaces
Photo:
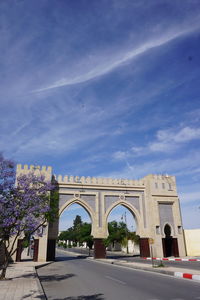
{"x":114,"y":279}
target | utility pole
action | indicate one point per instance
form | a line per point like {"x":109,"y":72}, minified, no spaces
{"x":126,"y":232}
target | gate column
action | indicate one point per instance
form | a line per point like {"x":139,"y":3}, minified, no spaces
{"x":144,"y":247}
{"x":99,"y":248}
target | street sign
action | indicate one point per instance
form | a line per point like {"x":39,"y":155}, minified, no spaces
{"x":151,"y":241}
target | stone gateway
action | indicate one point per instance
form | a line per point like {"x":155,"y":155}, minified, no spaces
{"x":152,"y":200}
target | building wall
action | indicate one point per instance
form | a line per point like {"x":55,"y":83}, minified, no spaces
{"x":132,"y":248}
{"x":192,"y":241}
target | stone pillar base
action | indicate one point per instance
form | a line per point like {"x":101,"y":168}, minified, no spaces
{"x":51,"y":249}
{"x":99,"y":249}
{"x":144,"y":247}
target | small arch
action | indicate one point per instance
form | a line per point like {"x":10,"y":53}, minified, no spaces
{"x":167,"y":228}
{"x":168,"y":241}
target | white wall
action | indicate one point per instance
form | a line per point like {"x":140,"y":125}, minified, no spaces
{"x":192,"y":241}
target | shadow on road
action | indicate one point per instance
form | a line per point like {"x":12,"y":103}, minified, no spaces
{"x":83,"y":297}
{"x":55,"y":277}
{"x":35,"y":296}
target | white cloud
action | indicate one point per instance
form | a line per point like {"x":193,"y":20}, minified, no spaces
{"x":168,"y":140}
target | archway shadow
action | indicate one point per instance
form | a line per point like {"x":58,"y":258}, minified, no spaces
{"x":121,"y":256}
{"x":66,"y":258}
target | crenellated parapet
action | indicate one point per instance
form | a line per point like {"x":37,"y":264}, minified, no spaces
{"x":38,"y":170}
{"x":165,"y":177}
{"x":161,"y":184}
{"x":158,"y":183}
{"x":97,"y":181}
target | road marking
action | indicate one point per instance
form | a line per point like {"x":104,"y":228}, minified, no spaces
{"x":114,"y":279}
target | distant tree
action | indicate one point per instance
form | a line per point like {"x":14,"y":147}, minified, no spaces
{"x":79,"y":232}
{"x":24,"y":206}
{"x":118,"y":232}
{"x":77,"y":222}
{"x":85,"y":235}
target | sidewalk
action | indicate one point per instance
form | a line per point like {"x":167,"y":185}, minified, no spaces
{"x":22,"y":281}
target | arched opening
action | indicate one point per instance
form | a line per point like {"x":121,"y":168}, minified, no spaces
{"x":170,"y":244}
{"x":168,"y":241}
{"x":167,"y":231}
{"x":75,"y":229}
{"x":122,"y":230}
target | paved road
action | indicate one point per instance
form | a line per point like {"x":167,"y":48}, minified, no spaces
{"x":194,"y":265}
{"x":77,"y":278}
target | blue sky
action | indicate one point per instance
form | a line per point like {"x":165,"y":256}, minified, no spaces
{"x":104,"y":88}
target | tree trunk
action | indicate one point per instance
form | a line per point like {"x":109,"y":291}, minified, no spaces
{"x":5,"y":263}
{"x":3,"y":272}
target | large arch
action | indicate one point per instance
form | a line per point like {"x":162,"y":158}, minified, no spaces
{"x":132,"y":210}
{"x":83,"y":204}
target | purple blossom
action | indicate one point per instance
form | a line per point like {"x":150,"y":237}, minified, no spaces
{"x":23,"y":206}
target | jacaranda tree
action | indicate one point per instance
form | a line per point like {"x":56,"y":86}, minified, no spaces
{"x":24,"y":207}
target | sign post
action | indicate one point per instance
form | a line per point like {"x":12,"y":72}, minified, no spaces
{"x":151,"y":242}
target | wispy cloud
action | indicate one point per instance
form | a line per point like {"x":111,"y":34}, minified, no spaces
{"x":129,"y":104}
{"x":189,"y":197}
{"x":109,"y":64}
{"x":175,"y":165}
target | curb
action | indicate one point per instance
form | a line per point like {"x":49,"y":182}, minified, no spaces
{"x":40,"y":287}
{"x":171,"y":259}
{"x":155,"y":270}
{"x":187,"y":276}
{"x":39,"y":284}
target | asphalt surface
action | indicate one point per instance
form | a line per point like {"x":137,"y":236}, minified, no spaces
{"x":77,"y":278}
{"x":194,"y":265}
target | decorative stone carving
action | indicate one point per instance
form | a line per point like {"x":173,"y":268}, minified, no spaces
{"x":122,"y":197}
{"x":77,"y":195}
